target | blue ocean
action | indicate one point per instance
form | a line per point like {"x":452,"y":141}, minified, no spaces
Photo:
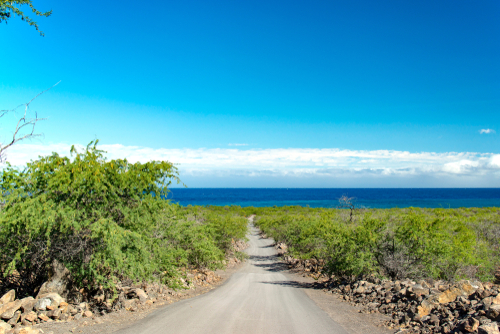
{"x":329,"y":198}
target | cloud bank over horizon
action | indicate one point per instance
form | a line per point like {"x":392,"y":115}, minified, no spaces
{"x":302,"y":167}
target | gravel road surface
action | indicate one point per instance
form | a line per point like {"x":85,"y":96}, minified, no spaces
{"x":256,"y":299}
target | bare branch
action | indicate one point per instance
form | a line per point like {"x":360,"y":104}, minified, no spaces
{"x":346,"y":202}
{"x":4,"y":112}
{"x":23,"y":122}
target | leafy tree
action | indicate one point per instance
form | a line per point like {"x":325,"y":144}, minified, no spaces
{"x":10,"y":8}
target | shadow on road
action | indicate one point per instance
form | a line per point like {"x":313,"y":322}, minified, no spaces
{"x":296,"y":284}
{"x":263,"y":258}
{"x":273,"y":263}
{"x":270,"y":263}
{"x":273,"y":267}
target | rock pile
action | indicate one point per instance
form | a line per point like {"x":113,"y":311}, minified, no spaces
{"x":238,"y":246}
{"x":30,"y":311}
{"x":312,"y":267}
{"x":203,"y":277}
{"x":231,"y":257}
{"x":425,"y":306}
{"x":18,"y":316}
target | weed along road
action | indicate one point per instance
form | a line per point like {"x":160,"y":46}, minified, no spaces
{"x":256,"y":299}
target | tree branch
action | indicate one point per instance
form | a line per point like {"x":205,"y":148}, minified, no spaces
{"x":22,"y":123}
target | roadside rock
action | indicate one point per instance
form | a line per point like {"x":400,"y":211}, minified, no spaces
{"x":138,"y":293}
{"x":15,"y":318}
{"x":54,"y":314}
{"x":30,"y":316}
{"x":7,"y":310}
{"x":130,"y":304}
{"x":28,"y":330}
{"x":281,"y":247}
{"x":59,"y":281}
{"x":27,"y":304}
{"x":494,"y":312}
{"x":43,"y":317}
{"x":471,"y":325}
{"x":313,"y":267}
{"x":5,"y":326}
{"x":8,"y":297}
{"x":425,"y":308}
{"x":41,"y":304}
{"x":491,"y":328}
{"x":463,"y":288}
{"x":55,"y":298}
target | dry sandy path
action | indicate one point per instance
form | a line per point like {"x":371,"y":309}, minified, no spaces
{"x":256,"y":299}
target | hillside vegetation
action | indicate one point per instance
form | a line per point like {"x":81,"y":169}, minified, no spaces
{"x":105,"y":221}
{"x":108,"y":221}
{"x":445,"y":244}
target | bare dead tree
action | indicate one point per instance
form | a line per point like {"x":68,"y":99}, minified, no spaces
{"x":25,"y":127}
{"x":346,"y":202}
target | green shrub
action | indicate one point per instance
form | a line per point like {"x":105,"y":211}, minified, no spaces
{"x":92,"y":215}
{"x":398,"y":243}
{"x":105,"y":221}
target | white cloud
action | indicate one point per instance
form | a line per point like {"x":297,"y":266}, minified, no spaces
{"x":495,"y":161}
{"x":298,"y":163}
{"x":460,"y":167}
{"x":487,"y":131}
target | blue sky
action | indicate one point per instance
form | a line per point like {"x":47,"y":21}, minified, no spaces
{"x":282,"y":79}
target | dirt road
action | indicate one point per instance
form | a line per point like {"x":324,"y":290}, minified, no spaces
{"x":256,"y":299}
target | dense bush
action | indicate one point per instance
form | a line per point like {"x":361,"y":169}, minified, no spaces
{"x":397,"y":243}
{"x":105,"y":221}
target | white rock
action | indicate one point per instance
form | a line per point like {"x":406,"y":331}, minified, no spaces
{"x":41,"y":304}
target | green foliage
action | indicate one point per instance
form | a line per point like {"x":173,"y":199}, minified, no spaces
{"x":105,"y":221}
{"x":9,"y":7}
{"x":398,"y":243}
